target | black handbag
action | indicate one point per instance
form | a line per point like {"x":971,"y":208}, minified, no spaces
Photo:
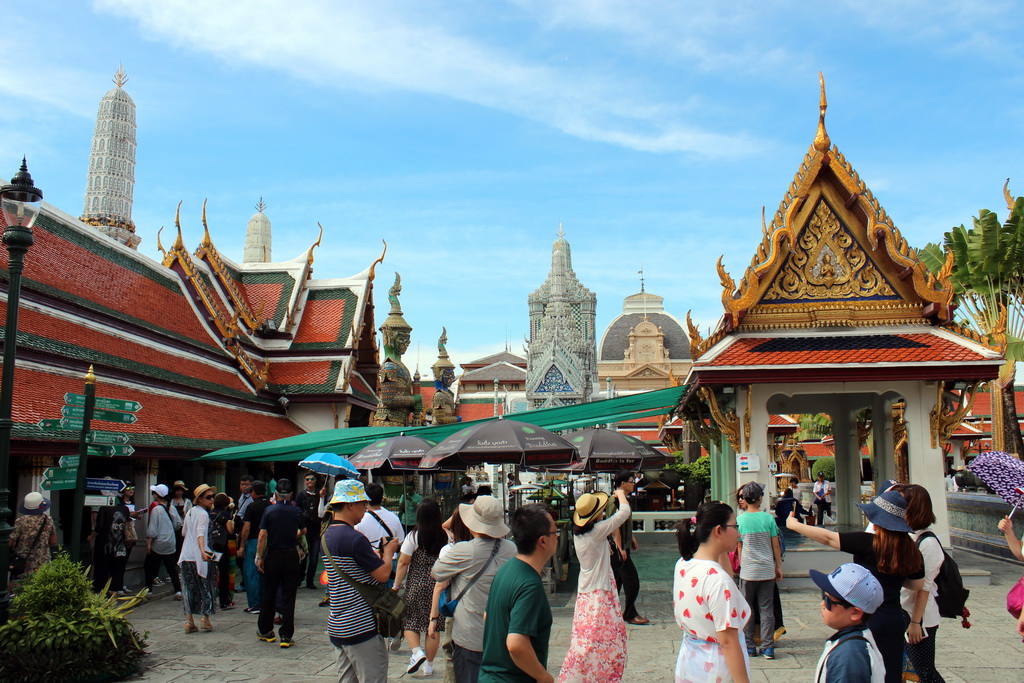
{"x":388,"y":607}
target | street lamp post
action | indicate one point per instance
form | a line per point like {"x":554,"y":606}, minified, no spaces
{"x":19,"y":202}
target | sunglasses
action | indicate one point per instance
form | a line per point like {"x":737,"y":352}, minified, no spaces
{"x":209,"y":497}
{"x":830,"y":601}
{"x":310,"y":478}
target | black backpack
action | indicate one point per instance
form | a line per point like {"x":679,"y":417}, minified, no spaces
{"x":218,"y":532}
{"x":952,"y":596}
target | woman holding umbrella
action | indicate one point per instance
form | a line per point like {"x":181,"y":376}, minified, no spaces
{"x":597,"y":650}
{"x":1006,"y":526}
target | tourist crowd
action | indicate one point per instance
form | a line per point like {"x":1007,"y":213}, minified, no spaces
{"x":480,"y":598}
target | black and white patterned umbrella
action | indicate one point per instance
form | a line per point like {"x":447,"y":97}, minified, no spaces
{"x":1002,"y":473}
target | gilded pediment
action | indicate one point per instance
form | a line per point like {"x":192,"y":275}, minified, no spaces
{"x":829,"y":264}
{"x":832,"y":256}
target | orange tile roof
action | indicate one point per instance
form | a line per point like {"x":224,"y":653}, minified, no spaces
{"x":843,"y":349}
{"x":983,"y":403}
{"x":300,"y":372}
{"x":73,"y":267}
{"x":321,"y":321}
{"x":40,"y":396}
{"x":477,"y":411}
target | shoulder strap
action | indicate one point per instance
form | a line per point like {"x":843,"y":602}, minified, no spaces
{"x":367,"y":593}
{"x":381,"y":522}
{"x":926,"y":534}
{"x":840,"y":642}
{"x":494,"y":551}
{"x":38,"y":534}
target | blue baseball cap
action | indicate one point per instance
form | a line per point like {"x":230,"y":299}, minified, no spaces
{"x":854,"y":584}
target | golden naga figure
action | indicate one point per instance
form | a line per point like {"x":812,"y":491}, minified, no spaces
{"x":398,"y":406}
{"x":443,"y":404}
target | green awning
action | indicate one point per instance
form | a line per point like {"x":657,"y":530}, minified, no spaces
{"x":348,"y":441}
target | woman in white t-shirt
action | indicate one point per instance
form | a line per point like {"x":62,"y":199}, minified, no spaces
{"x":920,"y":604}
{"x":708,"y":605}
{"x":419,"y":552}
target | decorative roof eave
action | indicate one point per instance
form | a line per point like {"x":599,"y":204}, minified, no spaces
{"x":252,"y":369}
{"x":208,"y":253}
{"x":935,"y":291}
{"x":290,"y":321}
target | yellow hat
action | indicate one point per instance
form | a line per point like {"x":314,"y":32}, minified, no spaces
{"x":588,"y":506}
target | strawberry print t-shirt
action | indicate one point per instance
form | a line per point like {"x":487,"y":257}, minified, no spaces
{"x":706,"y":600}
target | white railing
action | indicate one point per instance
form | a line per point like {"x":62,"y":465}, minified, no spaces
{"x":652,"y":522}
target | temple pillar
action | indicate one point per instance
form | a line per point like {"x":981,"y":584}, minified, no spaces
{"x":757,"y":439}
{"x":848,"y":467}
{"x":960,"y":448}
{"x":884,"y":461}
{"x":723,"y":472}
{"x":927,"y":462}
{"x":216,"y":475}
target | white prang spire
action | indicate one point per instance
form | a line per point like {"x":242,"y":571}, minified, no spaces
{"x":257,"y":237}
{"x":110,"y":182}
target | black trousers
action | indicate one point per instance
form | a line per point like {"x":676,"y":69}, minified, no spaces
{"x":108,"y":567}
{"x":280,"y":573}
{"x":628,"y":580}
{"x":224,"y":578}
{"x":312,"y":561}
{"x":823,"y":507}
{"x":152,"y":569}
{"x":922,"y":656}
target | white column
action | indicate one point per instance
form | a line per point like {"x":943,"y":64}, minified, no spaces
{"x":758,"y":443}
{"x":848,"y":467}
{"x":926,"y":464}
{"x":884,"y":464}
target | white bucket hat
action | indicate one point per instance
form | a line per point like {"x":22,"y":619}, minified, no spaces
{"x":484,"y":516}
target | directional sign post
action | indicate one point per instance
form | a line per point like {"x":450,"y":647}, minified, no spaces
{"x":67,"y":423}
{"x":97,"y":414}
{"x":97,"y":436}
{"x":59,"y":484}
{"x":114,"y":485}
{"x":68,"y":461}
{"x":104,"y":403}
{"x":60,"y":472}
{"x":83,"y":460}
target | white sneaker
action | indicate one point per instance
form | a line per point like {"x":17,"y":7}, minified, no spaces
{"x":158,"y":581}
{"x":417,"y":659}
{"x":428,"y":669}
{"x":177,"y":596}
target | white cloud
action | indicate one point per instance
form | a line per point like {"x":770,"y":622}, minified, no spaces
{"x":409,"y":47}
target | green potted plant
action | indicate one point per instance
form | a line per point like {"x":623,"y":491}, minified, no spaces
{"x":61,"y":632}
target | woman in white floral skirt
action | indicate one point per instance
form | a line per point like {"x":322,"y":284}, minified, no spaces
{"x":597,"y":651}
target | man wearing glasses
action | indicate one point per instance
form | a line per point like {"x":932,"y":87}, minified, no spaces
{"x":849,"y":596}
{"x":309,"y":501}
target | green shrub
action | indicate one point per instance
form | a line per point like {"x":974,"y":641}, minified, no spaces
{"x":825,"y":464}
{"x":697,"y":472}
{"x":60,"y":631}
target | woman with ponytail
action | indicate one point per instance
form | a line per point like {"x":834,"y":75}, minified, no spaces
{"x":892,"y":556}
{"x":707,"y":604}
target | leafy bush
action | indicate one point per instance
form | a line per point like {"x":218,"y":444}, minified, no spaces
{"x":698,"y":472}
{"x":825,"y":464}
{"x":61,"y":631}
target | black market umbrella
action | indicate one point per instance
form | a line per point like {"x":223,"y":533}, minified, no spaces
{"x":604,"y":450}
{"x":1002,"y":473}
{"x":399,"y":452}
{"x":502,"y":442}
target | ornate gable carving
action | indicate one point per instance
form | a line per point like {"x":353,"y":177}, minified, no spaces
{"x":828,"y":265}
{"x":832,"y":256}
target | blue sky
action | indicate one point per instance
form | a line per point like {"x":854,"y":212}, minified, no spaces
{"x":464,"y":133}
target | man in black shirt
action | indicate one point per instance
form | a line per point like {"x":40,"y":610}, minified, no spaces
{"x":277,"y":557}
{"x":247,"y":546}
{"x":309,"y":502}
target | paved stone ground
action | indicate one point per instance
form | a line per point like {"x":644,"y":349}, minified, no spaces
{"x":989,"y":652}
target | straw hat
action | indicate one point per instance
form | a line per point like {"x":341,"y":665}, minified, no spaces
{"x":200,"y":490}
{"x":484,"y":516}
{"x":588,"y":506}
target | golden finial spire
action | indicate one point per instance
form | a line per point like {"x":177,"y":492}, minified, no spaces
{"x":260,"y":206}
{"x":561,"y":233}
{"x":206,"y":228}
{"x":120,"y":78}
{"x":821,"y":141}
{"x":90,"y":377}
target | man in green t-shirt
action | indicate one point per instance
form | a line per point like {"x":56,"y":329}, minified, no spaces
{"x":518,"y":624}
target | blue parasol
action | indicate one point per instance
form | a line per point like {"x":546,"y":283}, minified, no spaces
{"x":330,"y":464}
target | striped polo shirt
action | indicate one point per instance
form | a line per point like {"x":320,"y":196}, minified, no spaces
{"x":351,"y":619}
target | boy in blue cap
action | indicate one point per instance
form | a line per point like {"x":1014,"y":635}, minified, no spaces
{"x":849,"y":596}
